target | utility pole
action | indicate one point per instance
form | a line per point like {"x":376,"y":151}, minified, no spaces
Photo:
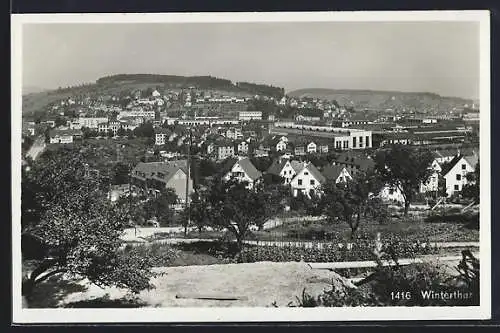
{"x":188,"y":208}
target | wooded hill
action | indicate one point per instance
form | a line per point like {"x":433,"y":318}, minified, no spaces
{"x":373,"y":99}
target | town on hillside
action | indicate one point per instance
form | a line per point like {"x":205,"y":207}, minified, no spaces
{"x":179,"y":179}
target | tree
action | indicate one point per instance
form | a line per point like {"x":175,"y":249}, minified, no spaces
{"x":145,"y":130}
{"x":121,"y":132}
{"x":352,"y":200}
{"x":60,"y":121}
{"x":236,"y":208}
{"x":74,"y":228}
{"x":471,"y":189}
{"x":198,"y":207}
{"x":405,"y":169}
{"x":120,"y":174}
{"x":160,"y":207}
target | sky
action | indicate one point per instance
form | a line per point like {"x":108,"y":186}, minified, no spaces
{"x":438,"y":57}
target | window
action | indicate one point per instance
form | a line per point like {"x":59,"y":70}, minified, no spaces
{"x":299,"y":181}
{"x":306,"y":173}
{"x":354,"y":142}
{"x":312,"y":182}
{"x":456,"y":187}
{"x":459,"y":177}
{"x":463,"y":166}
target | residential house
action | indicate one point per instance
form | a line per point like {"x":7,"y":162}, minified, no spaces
{"x":286,"y":169}
{"x":153,"y":177}
{"x":161,"y":135}
{"x":455,"y":172}
{"x":242,"y":147}
{"x":92,"y":122}
{"x":233,"y":133}
{"x":432,"y":183}
{"x":243,"y":170}
{"x":280,"y":145}
{"x":260,"y":153}
{"x":337,"y":173}
{"x":444,"y":155}
{"x":311,"y":147}
{"x":103,"y":128}
{"x":64,"y":136}
{"x":114,"y":126}
{"x":249,"y":115}
{"x":221,"y":150}
{"x":308,"y":179}
{"x":354,"y":163}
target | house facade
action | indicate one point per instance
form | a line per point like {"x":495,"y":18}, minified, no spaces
{"x":244,"y":171}
{"x":151,"y":178}
{"x":242,"y":147}
{"x":456,"y":172}
{"x":224,"y":151}
{"x":308,"y":179}
{"x":311,"y":148}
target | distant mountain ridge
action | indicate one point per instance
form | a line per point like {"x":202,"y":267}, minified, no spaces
{"x":380,"y":99}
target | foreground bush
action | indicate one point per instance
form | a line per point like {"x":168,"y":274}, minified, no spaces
{"x":413,"y":285}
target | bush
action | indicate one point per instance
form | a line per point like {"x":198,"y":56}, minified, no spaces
{"x":461,"y":218}
{"x":407,"y":286}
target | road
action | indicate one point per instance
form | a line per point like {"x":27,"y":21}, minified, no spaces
{"x":37,"y":147}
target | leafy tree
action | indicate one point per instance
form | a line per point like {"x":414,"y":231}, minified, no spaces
{"x":160,"y":207}
{"x":471,"y":189}
{"x":120,"y":174}
{"x":121,"y":132}
{"x":405,"y":169}
{"x":353,"y":200}
{"x":145,"y":130}
{"x":198,"y":207}
{"x":236,"y":208}
{"x":73,"y":228}
{"x":60,"y":121}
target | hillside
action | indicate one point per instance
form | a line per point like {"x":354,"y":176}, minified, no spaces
{"x":32,"y":90}
{"x":382,"y":100}
{"x":125,"y":83}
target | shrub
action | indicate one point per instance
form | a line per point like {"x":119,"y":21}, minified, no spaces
{"x":407,"y":286}
{"x":461,"y":218}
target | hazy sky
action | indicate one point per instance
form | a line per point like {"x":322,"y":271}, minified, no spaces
{"x":440,"y":57}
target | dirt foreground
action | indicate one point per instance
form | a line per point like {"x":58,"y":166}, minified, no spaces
{"x":258,"y":284}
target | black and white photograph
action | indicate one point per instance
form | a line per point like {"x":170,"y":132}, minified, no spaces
{"x":251,"y":167}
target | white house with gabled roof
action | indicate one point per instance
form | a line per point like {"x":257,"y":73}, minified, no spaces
{"x":455,"y":173}
{"x":308,"y":179}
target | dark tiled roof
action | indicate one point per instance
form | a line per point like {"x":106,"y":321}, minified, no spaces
{"x":332,"y":172}
{"x":448,"y":166}
{"x":276,"y":167}
{"x":316,"y":173}
{"x":168,"y":169}
{"x":472,"y":160}
{"x":249,"y":168}
{"x":65,"y":132}
{"x":297,"y":166}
